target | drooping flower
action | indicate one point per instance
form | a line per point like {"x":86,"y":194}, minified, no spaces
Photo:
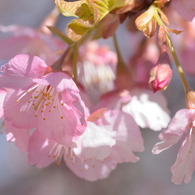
{"x":148,"y":109}
{"x":39,"y":98}
{"x":182,"y":122}
{"x":111,"y":137}
{"x":96,"y":69}
{"x":2,"y":97}
{"x":161,"y":74}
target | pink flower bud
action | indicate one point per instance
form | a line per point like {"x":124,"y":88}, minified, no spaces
{"x":161,"y":74}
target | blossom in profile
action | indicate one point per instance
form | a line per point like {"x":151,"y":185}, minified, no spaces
{"x":148,"y":109}
{"x":182,"y":122}
{"x":161,"y":74}
{"x":110,"y":138}
{"x":40,"y":98}
{"x":96,"y":69}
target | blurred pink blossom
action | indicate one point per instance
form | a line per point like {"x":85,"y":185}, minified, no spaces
{"x":96,"y":69}
{"x":26,"y":40}
{"x":2,"y":97}
{"x":182,"y":122}
{"x":186,"y":8}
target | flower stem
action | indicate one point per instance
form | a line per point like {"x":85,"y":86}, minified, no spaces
{"x":75,"y":53}
{"x":121,"y":64}
{"x":57,"y":66}
{"x":185,"y":83}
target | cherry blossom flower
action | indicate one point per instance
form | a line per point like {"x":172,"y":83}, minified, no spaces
{"x":111,"y":137}
{"x":148,"y":109}
{"x":50,"y":101}
{"x":96,"y":69}
{"x":183,"y":121}
{"x":161,"y":74}
{"x":26,"y":40}
{"x":186,"y":9}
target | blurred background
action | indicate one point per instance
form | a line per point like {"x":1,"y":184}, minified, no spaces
{"x":150,"y":176}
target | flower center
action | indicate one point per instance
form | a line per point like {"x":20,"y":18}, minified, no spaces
{"x":60,"y":152}
{"x":43,"y":97}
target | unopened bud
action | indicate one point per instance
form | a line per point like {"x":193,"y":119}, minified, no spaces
{"x":161,"y":74}
{"x":190,"y":100}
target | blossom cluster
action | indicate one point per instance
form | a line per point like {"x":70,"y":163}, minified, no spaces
{"x":69,"y":99}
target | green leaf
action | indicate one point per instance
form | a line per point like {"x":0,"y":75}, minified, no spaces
{"x":60,"y":34}
{"x":69,"y":8}
{"x":76,"y":28}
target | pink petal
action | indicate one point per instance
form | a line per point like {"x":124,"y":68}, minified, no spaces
{"x":18,"y":135}
{"x":96,"y":142}
{"x":60,"y":81}
{"x":39,"y":149}
{"x":67,"y":130}
{"x":184,"y":164}
{"x":114,"y":100}
{"x":2,"y":97}
{"x":91,"y":170}
{"x":69,"y":115}
{"x":186,"y":8}
{"x":11,"y":46}
{"x":179,"y":124}
{"x":29,"y":41}
{"x":128,"y":137}
{"x":12,"y":109}
{"x":20,"y":71}
{"x":148,"y":109}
